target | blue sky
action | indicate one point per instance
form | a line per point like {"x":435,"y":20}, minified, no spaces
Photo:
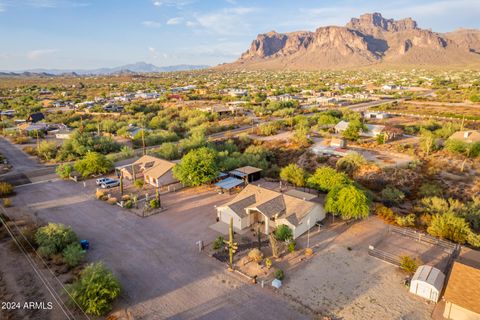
{"x":106,"y":33}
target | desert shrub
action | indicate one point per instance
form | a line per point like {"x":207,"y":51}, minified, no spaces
{"x":279,"y":274}
{"x":139,"y":183}
{"x":21,"y":140}
{"x":154,"y":204}
{"x":408,"y":264}
{"x":54,"y":238}
{"x":255,"y":255}
{"x":291,"y":246}
{"x":283,"y":233}
{"x":392,"y":196}
{"x":474,"y":239}
{"x":268,"y":263}
{"x":449,"y":226}
{"x":351,"y":162}
{"x":128,"y":204}
{"x":73,"y":254}
{"x":406,"y":221}
{"x":6,"y":189}
{"x":93,"y":163}
{"x":7,"y":202}
{"x":218,"y":243}
{"x":349,"y":202}
{"x":47,"y":150}
{"x":112,"y":200}
{"x":95,"y":290}
{"x":64,"y":170}
{"x":100,"y":194}
{"x":30,"y":150}
{"x":385,"y":213}
{"x":429,"y":190}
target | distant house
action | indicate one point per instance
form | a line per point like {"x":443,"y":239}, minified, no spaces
{"x":32,"y":127}
{"x":470,"y":136}
{"x":462,"y":294}
{"x":237,"y":92}
{"x":338,"y":143}
{"x":376,"y":115}
{"x":270,"y":209}
{"x":35,"y":117}
{"x":373,"y":130}
{"x":390,"y":87}
{"x":427,"y":282}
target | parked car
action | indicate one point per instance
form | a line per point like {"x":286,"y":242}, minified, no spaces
{"x":110,"y":184}
{"x":103,"y":180}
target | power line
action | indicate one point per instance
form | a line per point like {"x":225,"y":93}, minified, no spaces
{"x":52,"y":291}
{"x":48,"y":268}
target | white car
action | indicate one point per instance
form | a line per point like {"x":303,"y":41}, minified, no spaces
{"x":101,"y":181}
{"x":110,"y":184}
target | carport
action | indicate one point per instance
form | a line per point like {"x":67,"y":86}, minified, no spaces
{"x":229,"y":183}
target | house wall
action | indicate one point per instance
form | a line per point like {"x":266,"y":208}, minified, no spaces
{"x":455,"y":312}
{"x":225,"y":213}
{"x":317,"y":213}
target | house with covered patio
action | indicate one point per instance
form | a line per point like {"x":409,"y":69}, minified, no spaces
{"x":267,"y":208}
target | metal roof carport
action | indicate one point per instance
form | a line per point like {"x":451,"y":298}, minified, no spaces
{"x":229,"y":183}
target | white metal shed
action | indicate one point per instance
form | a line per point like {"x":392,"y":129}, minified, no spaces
{"x":427,"y":282}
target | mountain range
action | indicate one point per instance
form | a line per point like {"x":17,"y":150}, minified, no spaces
{"x":370,"y":40}
{"x":139,"y":67}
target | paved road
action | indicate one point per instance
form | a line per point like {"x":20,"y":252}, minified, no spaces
{"x":162,"y":274}
{"x":17,"y":158}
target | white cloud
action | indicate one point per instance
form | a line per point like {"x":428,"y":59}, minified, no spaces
{"x":2,"y":8}
{"x":151,"y":24}
{"x":172,"y":3}
{"x":228,"y":21}
{"x":39,"y":53}
{"x":54,"y":3}
{"x":175,"y":20}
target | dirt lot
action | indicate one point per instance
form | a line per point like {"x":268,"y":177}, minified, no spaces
{"x":350,"y":284}
{"x":156,"y":260}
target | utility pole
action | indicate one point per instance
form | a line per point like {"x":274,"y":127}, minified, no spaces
{"x":143,"y":141}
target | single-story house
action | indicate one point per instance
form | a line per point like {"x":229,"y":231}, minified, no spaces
{"x":427,"y":282}
{"x":32,"y":127}
{"x":471,"y":136}
{"x":376,"y":115}
{"x":248,"y":173}
{"x":155,"y":171}
{"x":270,"y":209}
{"x":462,"y":294}
{"x":373,"y":130}
{"x":35,"y":117}
{"x":338,"y":143}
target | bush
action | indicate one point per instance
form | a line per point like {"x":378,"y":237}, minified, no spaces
{"x":54,"y":238}
{"x":349,"y":202}
{"x":73,"y":255}
{"x":64,"y":170}
{"x":449,"y":226}
{"x":279,"y":274}
{"x":7,"y":202}
{"x":154,"y":204}
{"x":255,"y":255}
{"x":93,"y":163}
{"x":6,"y":189}
{"x":268,"y":263}
{"x":385,"y":213}
{"x":427,"y":190}
{"x":408,"y":264}
{"x":100,"y":194}
{"x":351,"y":162}
{"x":392,"y":196}
{"x":112,"y":200}
{"x":291,"y":246}
{"x":326,"y":178}
{"x":283,"y":233}
{"x":406,"y":221}
{"x":218,"y":243}
{"x":95,"y":290}
{"x":139,"y":183}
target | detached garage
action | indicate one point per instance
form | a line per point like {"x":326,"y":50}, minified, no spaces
{"x":427,"y":282}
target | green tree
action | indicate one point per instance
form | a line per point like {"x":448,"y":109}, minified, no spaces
{"x":283,"y":233}
{"x":326,"y":179}
{"x":300,"y":137}
{"x":349,"y":202}
{"x":392,"y":196}
{"x":47,"y":150}
{"x":353,"y":130}
{"x":293,"y":174}
{"x":449,"y":226}
{"x":168,"y":151}
{"x":197,"y":167}
{"x":64,"y":170}
{"x":95,"y":290}
{"x":93,"y":163}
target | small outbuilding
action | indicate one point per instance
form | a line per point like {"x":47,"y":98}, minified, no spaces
{"x":427,"y":282}
{"x":248,"y":173}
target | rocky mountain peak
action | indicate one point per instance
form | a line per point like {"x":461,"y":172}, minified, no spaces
{"x":369,"y":21}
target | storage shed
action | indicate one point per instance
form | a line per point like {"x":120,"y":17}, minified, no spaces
{"x":427,"y":282}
